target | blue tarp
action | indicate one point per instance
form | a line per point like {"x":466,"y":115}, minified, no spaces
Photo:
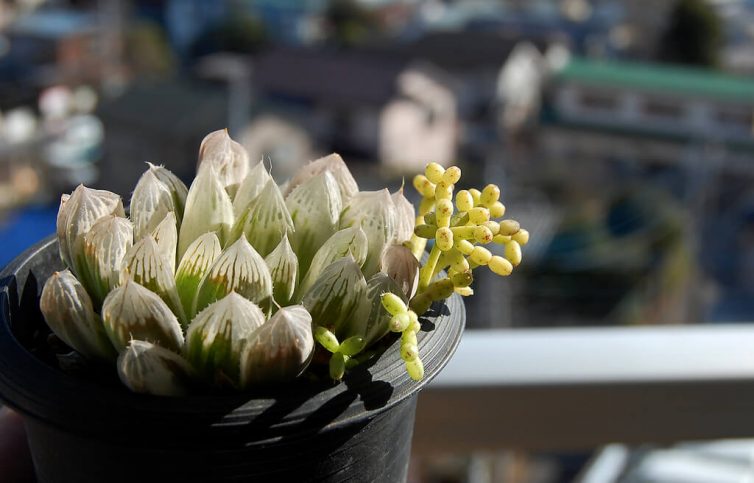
{"x":23,"y":228}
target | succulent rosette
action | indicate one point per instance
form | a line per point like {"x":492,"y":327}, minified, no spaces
{"x":237,"y":281}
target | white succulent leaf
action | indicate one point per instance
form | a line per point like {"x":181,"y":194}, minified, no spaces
{"x":69,"y":313}
{"x":176,"y":187}
{"x":405,"y":219}
{"x":229,"y":159}
{"x":105,"y":246}
{"x":375,"y":212}
{"x":150,"y":369}
{"x":132,"y":311}
{"x":280,"y":350}
{"x":265,"y":221}
{"x":208,"y":208}
{"x":217,"y":334}
{"x":150,"y":202}
{"x":336,"y":296}
{"x":145,"y":265}
{"x":77,"y":213}
{"x":196,"y":262}
{"x":347,"y":242}
{"x":166,"y":236}
{"x":315,"y":207}
{"x":283,"y":265}
{"x":378,"y":319}
{"x":401,"y":265}
{"x":238,"y":269}
{"x":335,"y":165}
{"x":250,"y":188}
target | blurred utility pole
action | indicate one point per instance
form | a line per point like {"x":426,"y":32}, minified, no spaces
{"x":236,"y":70}
{"x":112,"y":14}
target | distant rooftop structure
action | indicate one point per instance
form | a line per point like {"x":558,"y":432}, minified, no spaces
{"x":656,"y":77}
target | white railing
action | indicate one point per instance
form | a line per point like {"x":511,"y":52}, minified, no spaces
{"x":573,"y":389}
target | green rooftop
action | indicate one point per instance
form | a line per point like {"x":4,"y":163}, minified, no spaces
{"x":659,"y":77}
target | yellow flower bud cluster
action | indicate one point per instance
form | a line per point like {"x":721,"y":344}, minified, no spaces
{"x":460,"y":230}
{"x":406,"y":322}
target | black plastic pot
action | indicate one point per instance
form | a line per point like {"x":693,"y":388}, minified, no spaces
{"x":84,"y":426}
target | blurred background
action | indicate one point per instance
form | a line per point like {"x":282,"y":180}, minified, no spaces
{"x":620,"y":132}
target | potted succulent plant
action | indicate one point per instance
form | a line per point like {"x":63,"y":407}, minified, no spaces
{"x":291,"y":325}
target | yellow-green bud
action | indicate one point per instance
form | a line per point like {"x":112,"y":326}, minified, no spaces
{"x":475,"y":195}
{"x":393,"y":304}
{"x":337,"y":366}
{"x":461,"y":265}
{"x":482,"y":234}
{"x":452,"y":175}
{"x":479,"y":215}
{"x":464,"y":246}
{"x":434,"y":172}
{"x":409,"y":352}
{"x":501,"y":239}
{"x":415,"y":369}
{"x":430,"y":218}
{"x":352,"y":345}
{"x":443,"y":213}
{"x":414,"y":325}
{"x":513,"y":252}
{"x":327,"y":339}
{"x":444,"y":239}
{"x":497,"y":209}
{"x":464,"y":200}
{"x":399,"y":322}
{"x":509,"y":227}
{"x":463,"y":232}
{"x":493,"y":226}
{"x":500,"y":266}
{"x":522,"y":237}
{"x":424,"y":186}
{"x":443,"y":191}
{"x":409,"y":337}
{"x":464,"y":291}
{"x":490,"y":194}
{"x":480,"y":256}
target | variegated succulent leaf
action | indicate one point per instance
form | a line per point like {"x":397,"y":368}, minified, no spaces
{"x":150,"y":202}
{"x":150,"y":369}
{"x":69,"y":313}
{"x":166,"y":236}
{"x":376,"y":213}
{"x":265,"y":221}
{"x":145,"y":265}
{"x":280,"y":350}
{"x":250,"y":188}
{"x":229,"y":159}
{"x":105,"y":246}
{"x":76,"y":216}
{"x":405,"y":218}
{"x":208,"y":208}
{"x":132,"y":311}
{"x":402,"y":266}
{"x":241,"y":269}
{"x":335,"y":165}
{"x":315,"y":207}
{"x":196,"y":262}
{"x":217,"y":335}
{"x":336,"y":296}
{"x":176,"y":187}
{"x":350,"y":241}
{"x":283,"y":265}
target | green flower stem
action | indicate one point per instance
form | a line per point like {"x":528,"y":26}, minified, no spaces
{"x":426,"y":272}
{"x":438,"y":290}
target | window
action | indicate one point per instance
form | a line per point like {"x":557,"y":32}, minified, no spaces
{"x":662,"y":108}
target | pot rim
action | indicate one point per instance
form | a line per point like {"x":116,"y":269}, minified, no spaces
{"x":46,"y":393}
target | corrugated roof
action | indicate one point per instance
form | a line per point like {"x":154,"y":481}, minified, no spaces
{"x":654,"y":77}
